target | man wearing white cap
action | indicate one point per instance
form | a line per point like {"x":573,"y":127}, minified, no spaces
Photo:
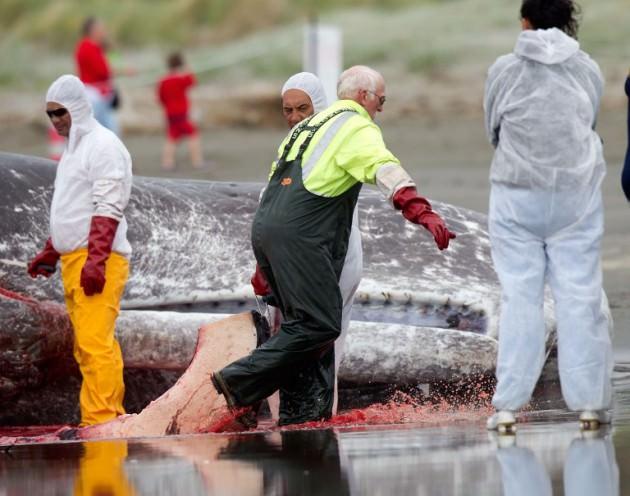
{"x":88,"y":233}
{"x":302,"y":96}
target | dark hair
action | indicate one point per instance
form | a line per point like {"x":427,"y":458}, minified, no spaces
{"x":546,"y":14}
{"x":87,"y":25}
{"x":175,"y":60}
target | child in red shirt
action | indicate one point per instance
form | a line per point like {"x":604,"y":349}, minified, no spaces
{"x":172,"y":94}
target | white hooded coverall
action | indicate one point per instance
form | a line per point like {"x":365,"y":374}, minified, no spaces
{"x":93,"y":176}
{"x":546,"y":217}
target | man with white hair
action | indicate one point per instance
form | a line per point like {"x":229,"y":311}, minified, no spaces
{"x":300,"y":239}
{"x":88,"y":233}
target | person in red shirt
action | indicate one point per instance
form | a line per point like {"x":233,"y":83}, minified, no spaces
{"x":94,"y":71}
{"x":172,"y":94}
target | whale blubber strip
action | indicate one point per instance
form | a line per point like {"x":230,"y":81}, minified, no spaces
{"x":192,"y":405}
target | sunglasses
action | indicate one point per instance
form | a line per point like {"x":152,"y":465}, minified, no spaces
{"x":60,"y":112}
{"x":381,"y":99}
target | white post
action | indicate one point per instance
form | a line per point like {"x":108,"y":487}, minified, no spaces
{"x":323,"y":54}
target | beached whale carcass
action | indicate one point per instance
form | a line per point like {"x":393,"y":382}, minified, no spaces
{"x":420,"y":316}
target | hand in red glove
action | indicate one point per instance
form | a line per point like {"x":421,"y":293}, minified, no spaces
{"x":418,"y":210}
{"x":259,"y":283}
{"x":100,"y":241}
{"x":45,"y":262}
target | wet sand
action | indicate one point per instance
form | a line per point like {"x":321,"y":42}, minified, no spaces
{"x":440,"y":454}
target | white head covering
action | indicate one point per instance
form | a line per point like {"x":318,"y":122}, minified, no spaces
{"x":69,"y":91}
{"x":310,"y":84}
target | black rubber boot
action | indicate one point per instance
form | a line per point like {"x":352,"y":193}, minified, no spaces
{"x":247,"y":419}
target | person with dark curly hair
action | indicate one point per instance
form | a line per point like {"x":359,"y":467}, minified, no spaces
{"x":546,"y":218}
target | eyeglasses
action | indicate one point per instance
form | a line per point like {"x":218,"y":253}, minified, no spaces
{"x":60,"y":112}
{"x":381,"y":99}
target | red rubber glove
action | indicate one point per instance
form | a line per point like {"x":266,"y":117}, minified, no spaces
{"x":45,"y":262}
{"x":418,"y":210}
{"x":260,"y":284}
{"x":100,"y":240}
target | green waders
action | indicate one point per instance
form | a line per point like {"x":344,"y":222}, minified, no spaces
{"x":300,"y":241}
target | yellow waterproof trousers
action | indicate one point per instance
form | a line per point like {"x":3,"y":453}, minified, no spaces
{"x":102,"y":470}
{"x":95,"y":347}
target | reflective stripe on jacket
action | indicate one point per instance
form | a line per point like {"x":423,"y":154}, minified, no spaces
{"x":346,"y":150}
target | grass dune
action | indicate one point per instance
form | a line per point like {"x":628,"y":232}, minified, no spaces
{"x":450,"y":42}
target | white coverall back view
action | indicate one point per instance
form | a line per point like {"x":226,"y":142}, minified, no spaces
{"x":546,"y":218}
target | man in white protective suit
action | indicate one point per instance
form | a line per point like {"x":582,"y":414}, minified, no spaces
{"x":302,"y":96}
{"x":88,"y":235}
{"x":546,"y":215}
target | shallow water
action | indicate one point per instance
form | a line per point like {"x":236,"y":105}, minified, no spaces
{"x":389,"y":450}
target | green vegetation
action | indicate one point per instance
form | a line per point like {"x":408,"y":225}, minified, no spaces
{"x":429,"y":62}
{"x":229,"y":40}
{"x":138,"y":22}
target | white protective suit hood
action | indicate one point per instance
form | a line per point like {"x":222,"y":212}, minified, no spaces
{"x":69,"y":91}
{"x":541,"y":105}
{"x":310,"y":84}
{"x":546,"y":46}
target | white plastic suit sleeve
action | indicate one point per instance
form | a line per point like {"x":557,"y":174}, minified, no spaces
{"x":111,"y":183}
{"x":110,"y":198}
{"x":391,"y":178}
{"x":596,"y":91}
{"x":494,"y":92}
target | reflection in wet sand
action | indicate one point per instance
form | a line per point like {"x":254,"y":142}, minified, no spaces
{"x":102,"y":471}
{"x":278,"y":463}
{"x":192,"y":466}
{"x":549,"y":455}
{"x":590,"y":468}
